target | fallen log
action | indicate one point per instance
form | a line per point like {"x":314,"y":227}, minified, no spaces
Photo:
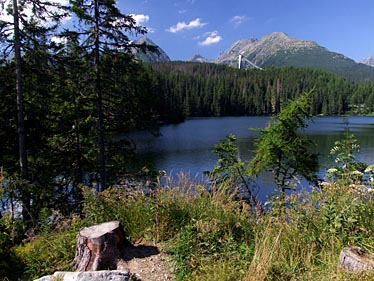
{"x":99,"y":247}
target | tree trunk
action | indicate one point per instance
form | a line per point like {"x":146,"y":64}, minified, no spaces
{"x":99,"y":247}
{"x":25,"y":197}
{"x":99,"y":101}
{"x":354,"y":259}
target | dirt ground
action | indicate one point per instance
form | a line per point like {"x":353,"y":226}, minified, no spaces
{"x":147,"y":263}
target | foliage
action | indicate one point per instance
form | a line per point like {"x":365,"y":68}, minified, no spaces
{"x":53,"y":249}
{"x":60,"y":109}
{"x":102,"y":32}
{"x":24,"y":37}
{"x":228,"y":165}
{"x":281,"y":149}
{"x":230,"y":170}
{"x":347,"y":171}
{"x":10,"y":265}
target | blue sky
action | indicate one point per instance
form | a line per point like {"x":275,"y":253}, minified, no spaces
{"x":183,"y":28}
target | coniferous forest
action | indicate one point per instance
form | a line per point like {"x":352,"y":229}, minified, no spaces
{"x":202,"y":89}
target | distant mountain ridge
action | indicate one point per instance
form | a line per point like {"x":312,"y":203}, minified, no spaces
{"x":198,"y":58}
{"x":278,"y":49}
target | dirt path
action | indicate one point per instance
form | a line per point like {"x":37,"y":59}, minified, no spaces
{"x":147,"y":263}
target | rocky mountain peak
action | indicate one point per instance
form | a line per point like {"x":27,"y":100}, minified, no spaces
{"x":279,"y":41}
{"x":144,"y":40}
{"x":369,"y":61}
{"x":259,"y":50}
{"x":198,"y":58}
{"x":158,"y":55}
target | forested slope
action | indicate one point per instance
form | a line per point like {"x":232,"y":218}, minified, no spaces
{"x":203,"y":89}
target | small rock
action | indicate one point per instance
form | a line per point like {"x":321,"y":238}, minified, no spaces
{"x":112,"y":275}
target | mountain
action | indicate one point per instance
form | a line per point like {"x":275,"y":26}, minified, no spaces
{"x":369,"y":61}
{"x":278,"y":49}
{"x":230,"y":56}
{"x":157,"y":55}
{"x":198,"y":58}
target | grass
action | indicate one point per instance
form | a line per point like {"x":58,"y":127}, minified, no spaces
{"x":213,"y":235}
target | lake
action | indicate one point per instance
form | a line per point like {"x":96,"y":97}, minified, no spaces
{"x":188,"y":146}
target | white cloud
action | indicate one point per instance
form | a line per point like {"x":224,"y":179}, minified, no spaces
{"x":211,"y":38}
{"x":59,"y":40}
{"x":140,"y":19}
{"x":238,"y":20}
{"x":181,"y":26}
{"x":3,"y":14}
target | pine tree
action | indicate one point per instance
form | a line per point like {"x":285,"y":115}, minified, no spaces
{"x":282,"y":150}
{"x":103,"y":29}
{"x":13,"y":37}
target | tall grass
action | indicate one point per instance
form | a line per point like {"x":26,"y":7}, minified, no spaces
{"x":212,"y":235}
{"x":305,"y":244}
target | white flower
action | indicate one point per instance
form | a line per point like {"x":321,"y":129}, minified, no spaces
{"x":357,"y":173}
{"x":369,"y":169}
{"x":325,"y":183}
{"x":332,"y":170}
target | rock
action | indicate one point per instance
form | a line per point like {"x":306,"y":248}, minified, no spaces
{"x":354,"y":259}
{"x":104,"y":275}
{"x":99,"y":247}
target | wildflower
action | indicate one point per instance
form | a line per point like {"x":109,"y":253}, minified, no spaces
{"x":332,"y":170}
{"x":369,"y":169}
{"x":356,"y":173}
{"x":325,"y":183}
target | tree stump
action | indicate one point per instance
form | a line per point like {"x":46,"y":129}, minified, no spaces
{"x":354,"y":259}
{"x":99,"y":247}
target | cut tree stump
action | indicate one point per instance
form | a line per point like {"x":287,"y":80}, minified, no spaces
{"x":99,"y":247}
{"x":354,"y":259}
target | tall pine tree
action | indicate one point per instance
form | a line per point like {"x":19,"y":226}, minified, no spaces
{"x":103,"y":28}
{"x":21,"y":21}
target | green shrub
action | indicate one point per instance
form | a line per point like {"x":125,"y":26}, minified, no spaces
{"x":50,"y":251}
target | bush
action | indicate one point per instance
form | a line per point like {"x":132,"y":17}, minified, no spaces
{"x":51,"y":250}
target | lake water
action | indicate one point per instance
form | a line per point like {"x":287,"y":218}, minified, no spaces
{"x":188,"y":146}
